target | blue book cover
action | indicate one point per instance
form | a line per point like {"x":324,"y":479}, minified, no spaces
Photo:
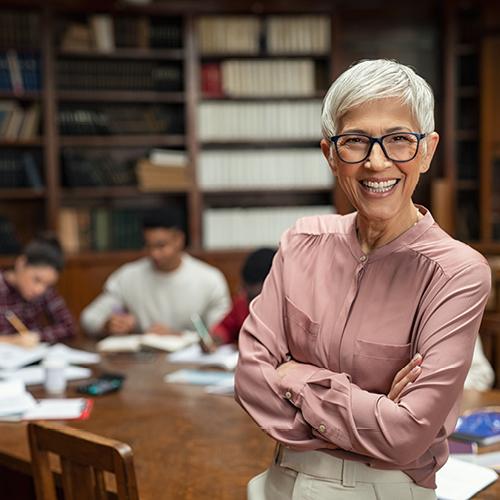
{"x":481,"y":426}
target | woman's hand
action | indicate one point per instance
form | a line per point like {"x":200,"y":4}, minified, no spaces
{"x":405,"y":376}
{"x":283,"y":369}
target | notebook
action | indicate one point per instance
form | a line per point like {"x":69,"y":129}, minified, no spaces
{"x":481,"y":426}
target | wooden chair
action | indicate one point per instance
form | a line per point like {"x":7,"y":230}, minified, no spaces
{"x":84,"y":458}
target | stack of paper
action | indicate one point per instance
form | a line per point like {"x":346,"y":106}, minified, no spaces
{"x":33,"y":375}
{"x":225,"y":356}
{"x":215,"y":381}
{"x":459,"y":480}
{"x":14,"y":398}
{"x":73,"y":356}
{"x":18,"y":404}
{"x":13,"y":357}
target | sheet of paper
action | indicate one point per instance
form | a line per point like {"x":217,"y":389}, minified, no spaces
{"x":73,"y":356}
{"x":14,"y":398}
{"x":32,"y":375}
{"x":459,"y":480}
{"x":13,"y":357}
{"x":56,"y":409}
{"x":491,"y":459}
{"x":200,"y":377}
{"x":226,"y":356}
{"x":120,"y":343}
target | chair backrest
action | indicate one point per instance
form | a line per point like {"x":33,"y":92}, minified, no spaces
{"x":84,"y":458}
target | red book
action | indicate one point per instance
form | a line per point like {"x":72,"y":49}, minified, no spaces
{"x":211,"y":80}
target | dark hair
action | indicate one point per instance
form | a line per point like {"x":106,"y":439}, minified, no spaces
{"x":44,"y":250}
{"x":257,"y":266}
{"x":165,"y":218}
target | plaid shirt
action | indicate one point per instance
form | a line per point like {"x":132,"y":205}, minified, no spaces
{"x":49,"y":309}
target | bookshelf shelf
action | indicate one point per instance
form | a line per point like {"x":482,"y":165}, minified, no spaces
{"x":21,"y":194}
{"x":257,"y":191}
{"x":120,"y":96}
{"x":258,"y":57}
{"x":467,"y":185}
{"x":467,"y":135}
{"x":237,"y":143}
{"x":123,"y":140}
{"x":314,"y":97}
{"x":28,"y":143}
{"x":21,"y":96}
{"x":468,"y":91}
{"x":132,"y":53}
{"x":68,"y":194}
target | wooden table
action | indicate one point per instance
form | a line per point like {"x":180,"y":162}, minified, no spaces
{"x":187,"y":444}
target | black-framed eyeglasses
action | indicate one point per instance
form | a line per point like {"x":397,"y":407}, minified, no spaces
{"x":398,"y":146}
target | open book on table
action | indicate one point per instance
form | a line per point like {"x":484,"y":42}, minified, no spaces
{"x":135,"y":343}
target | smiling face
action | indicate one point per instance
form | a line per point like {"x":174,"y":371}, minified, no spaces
{"x":380,"y":189}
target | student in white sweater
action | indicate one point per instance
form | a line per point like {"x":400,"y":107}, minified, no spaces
{"x":160,"y":292}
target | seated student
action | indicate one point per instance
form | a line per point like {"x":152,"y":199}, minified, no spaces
{"x":27,"y":294}
{"x":158,"y":293}
{"x":481,"y":375}
{"x":253,"y":274}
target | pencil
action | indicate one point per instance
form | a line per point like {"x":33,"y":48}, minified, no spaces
{"x":13,"y":319}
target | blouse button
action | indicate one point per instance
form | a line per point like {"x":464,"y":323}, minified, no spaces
{"x":288,"y":395}
{"x":322,"y":428}
{"x":362,"y":258}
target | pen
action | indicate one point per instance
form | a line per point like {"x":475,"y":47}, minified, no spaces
{"x":14,"y":320}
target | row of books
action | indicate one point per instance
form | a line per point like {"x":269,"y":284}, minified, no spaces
{"x":129,"y":119}
{"x":19,"y":169}
{"x":82,"y":169}
{"x":9,"y":244}
{"x":18,"y":123}
{"x":266,"y":168}
{"x":301,"y":34}
{"x":84,"y":74}
{"x":99,"y":229}
{"x":19,"y":29}
{"x":225,"y":228}
{"x":20,"y":72}
{"x":104,"y":33}
{"x":279,"y":77}
{"x":259,"y":121}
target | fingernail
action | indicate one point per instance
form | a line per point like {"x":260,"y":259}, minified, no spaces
{"x":417,"y":356}
{"x":416,"y":369}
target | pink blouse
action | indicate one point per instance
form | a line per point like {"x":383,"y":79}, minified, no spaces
{"x":352,"y":321}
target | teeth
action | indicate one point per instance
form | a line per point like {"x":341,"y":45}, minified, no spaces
{"x":380,"y":187}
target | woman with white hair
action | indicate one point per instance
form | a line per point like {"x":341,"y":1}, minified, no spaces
{"x":351,"y":300}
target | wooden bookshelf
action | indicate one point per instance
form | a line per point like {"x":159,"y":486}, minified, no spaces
{"x":120,"y":96}
{"x":459,"y":44}
{"x":122,"y":140}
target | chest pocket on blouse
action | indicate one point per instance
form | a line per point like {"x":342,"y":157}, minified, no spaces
{"x":301,"y":331}
{"x":375,"y":364}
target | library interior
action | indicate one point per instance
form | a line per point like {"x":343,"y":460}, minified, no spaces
{"x":153,"y":154}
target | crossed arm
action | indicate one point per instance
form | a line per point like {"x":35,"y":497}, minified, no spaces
{"x":308,"y":407}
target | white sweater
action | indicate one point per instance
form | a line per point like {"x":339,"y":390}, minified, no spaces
{"x":153,"y":296}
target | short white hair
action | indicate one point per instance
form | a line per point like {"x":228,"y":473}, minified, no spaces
{"x":377,"y":79}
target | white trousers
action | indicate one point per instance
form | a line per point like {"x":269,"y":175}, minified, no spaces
{"x":315,"y":475}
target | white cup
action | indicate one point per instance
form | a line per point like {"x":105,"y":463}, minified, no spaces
{"x":55,"y":375}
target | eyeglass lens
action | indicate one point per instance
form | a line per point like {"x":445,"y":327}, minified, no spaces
{"x":398,"y":147}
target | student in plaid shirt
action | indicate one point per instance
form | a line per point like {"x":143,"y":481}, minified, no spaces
{"x":27,"y":291}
